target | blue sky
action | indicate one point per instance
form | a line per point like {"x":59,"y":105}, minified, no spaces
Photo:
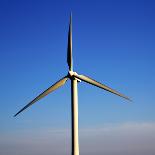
{"x":113,"y":42}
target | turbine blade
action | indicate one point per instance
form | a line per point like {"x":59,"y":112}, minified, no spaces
{"x":46,"y":92}
{"x":69,"y":48}
{"x":95,"y":83}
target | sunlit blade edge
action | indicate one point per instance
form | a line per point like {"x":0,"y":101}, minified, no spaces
{"x":69,"y":48}
{"x":95,"y":83}
{"x":46,"y":92}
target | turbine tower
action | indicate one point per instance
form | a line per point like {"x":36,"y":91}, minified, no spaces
{"x":75,"y":78}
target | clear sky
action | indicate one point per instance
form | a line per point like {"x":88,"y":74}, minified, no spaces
{"x":113,"y":42}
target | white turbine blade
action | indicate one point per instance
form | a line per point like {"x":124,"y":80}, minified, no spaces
{"x":69,"y":48}
{"x":46,"y":92}
{"x":95,"y":83}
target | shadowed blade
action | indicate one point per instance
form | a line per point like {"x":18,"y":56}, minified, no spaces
{"x":69,"y":48}
{"x":46,"y":92}
{"x":95,"y":83}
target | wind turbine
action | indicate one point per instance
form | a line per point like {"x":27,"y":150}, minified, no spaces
{"x":75,"y":78}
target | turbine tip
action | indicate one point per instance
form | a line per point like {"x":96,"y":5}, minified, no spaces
{"x":129,"y":99}
{"x":70,"y":17}
{"x":15,"y":115}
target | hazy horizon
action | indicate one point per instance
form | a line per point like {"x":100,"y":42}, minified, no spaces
{"x":128,"y":138}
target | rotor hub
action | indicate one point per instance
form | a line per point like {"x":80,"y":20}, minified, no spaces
{"x":71,"y":75}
